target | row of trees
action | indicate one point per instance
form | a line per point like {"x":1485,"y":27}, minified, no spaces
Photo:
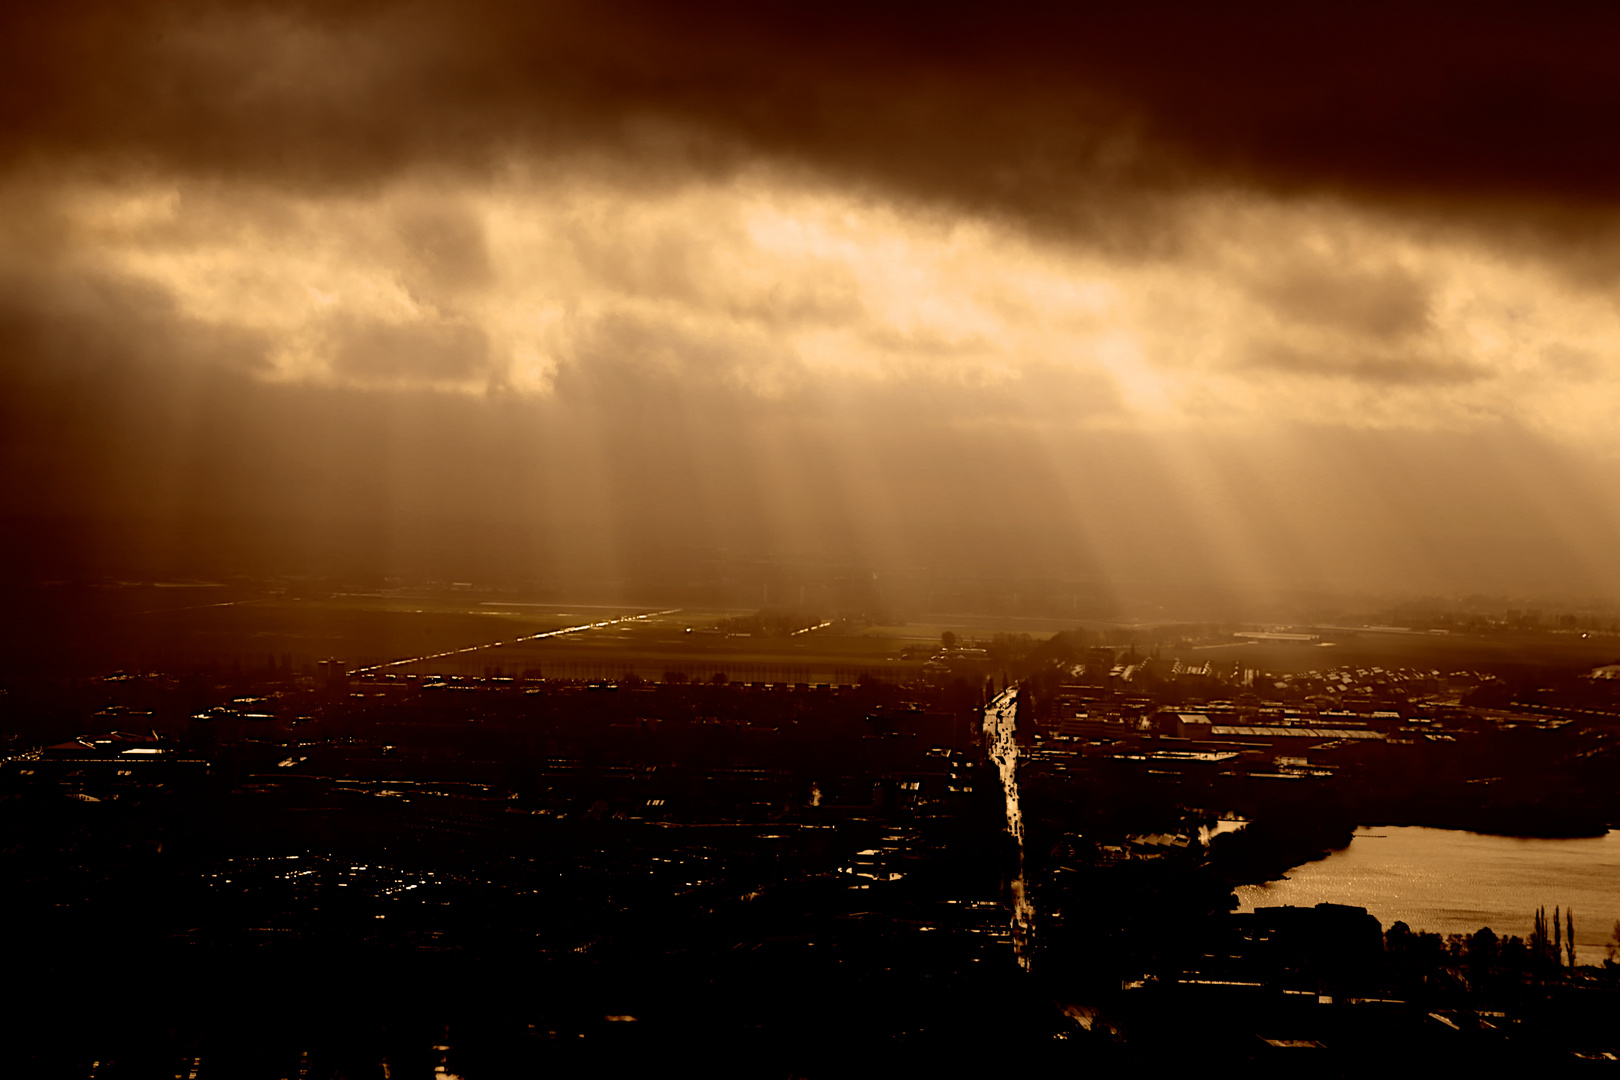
{"x":1551,"y":945}
{"x":1552,"y":949}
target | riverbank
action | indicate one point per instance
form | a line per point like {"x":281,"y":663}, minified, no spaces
{"x":1266,"y":849}
{"x":1455,"y":882}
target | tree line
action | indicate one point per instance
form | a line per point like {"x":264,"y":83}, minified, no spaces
{"x":1550,"y":946}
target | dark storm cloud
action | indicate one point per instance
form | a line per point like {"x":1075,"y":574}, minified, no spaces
{"x":1386,"y":304}
{"x":1054,"y":113}
{"x":626,"y":361}
{"x":280,"y":229}
{"x":419,"y":352}
{"x":1396,"y":367}
{"x":445,"y":252}
{"x":73,"y":333}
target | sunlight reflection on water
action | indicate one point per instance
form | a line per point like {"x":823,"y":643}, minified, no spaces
{"x":1454,"y":882}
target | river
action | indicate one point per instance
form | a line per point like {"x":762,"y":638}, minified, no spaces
{"x":1454,"y":882}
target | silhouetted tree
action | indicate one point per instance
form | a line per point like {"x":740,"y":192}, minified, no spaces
{"x":1428,"y":948}
{"x":1511,"y":953}
{"x":1483,"y":948}
{"x":1569,"y":936}
{"x":948,"y":639}
{"x":1539,"y":942}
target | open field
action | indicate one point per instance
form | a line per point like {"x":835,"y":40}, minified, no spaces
{"x":91,"y":631}
{"x":1444,"y":653}
{"x":145,"y":628}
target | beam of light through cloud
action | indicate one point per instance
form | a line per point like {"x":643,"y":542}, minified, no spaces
{"x":379,"y":274}
{"x":1314,"y":313}
{"x":795,"y":315}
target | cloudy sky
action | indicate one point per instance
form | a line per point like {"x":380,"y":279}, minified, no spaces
{"x":1272,"y":296}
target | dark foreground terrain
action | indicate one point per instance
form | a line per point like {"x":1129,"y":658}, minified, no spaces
{"x":281,"y":869}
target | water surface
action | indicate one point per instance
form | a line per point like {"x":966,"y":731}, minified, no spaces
{"x":1455,"y":882}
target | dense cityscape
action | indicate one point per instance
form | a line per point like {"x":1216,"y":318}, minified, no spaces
{"x":323,"y":869}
